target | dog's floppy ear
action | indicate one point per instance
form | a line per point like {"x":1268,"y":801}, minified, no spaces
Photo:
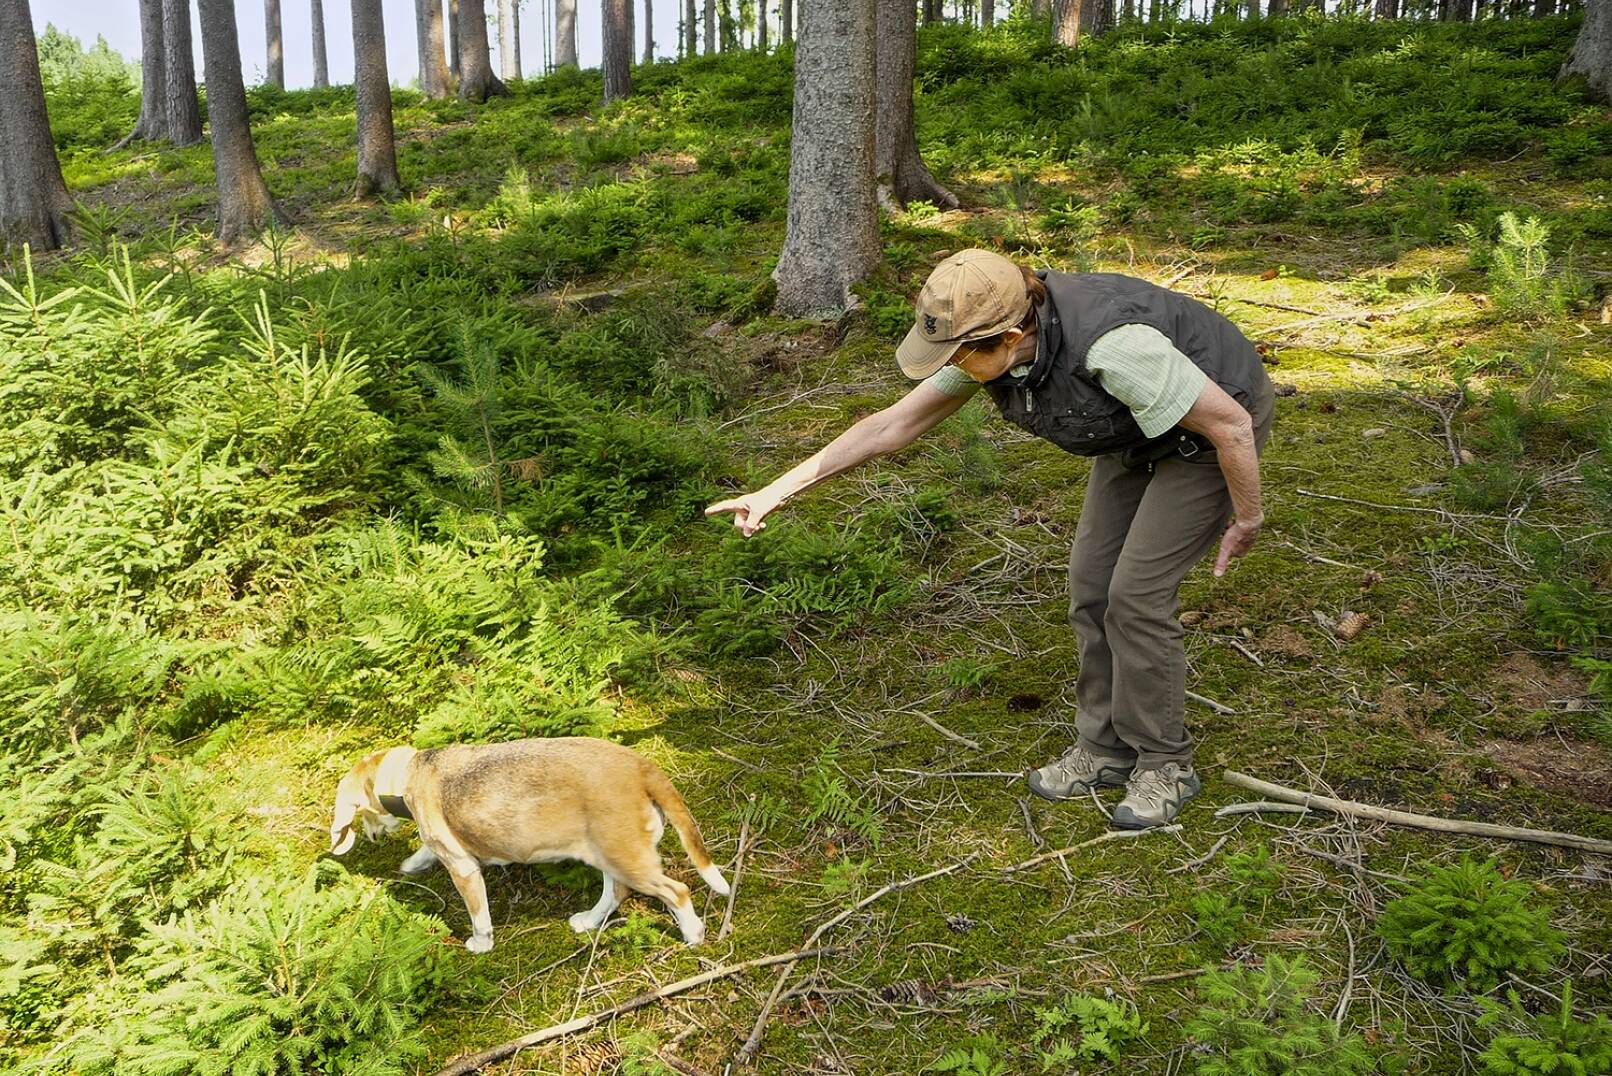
{"x":348,"y":795}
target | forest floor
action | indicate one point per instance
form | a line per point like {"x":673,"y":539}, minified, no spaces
{"x":1447,"y":701}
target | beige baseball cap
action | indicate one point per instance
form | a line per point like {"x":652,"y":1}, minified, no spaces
{"x":971,"y":295}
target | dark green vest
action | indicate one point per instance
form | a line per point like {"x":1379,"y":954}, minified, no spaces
{"x":1062,"y":401}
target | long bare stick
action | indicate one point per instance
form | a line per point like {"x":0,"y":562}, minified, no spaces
{"x":1416,"y":821}
{"x":1111,"y":835}
{"x":583,"y":1023}
{"x":733,"y":890}
{"x":972,"y":745}
{"x":1217,"y":707}
{"x":956,"y":773}
{"x":753,"y":1042}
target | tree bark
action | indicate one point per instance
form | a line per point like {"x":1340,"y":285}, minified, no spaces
{"x":1387,"y":9}
{"x":377,"y":149}
{"x":321,"y":61}
{"x":506,"y":40}
{"x":932,"y":11}
{"x":565,"y":33}
{"x":786,"y":21}
{"x":616,"y":62}
{"x":710,"y":26}
{"x":453,"y":37}
{"x":438,"y":80}
{"x":1066,"y":21}
{"x":1041,"y":8}
{"x":476,"y":79}
{"x":179,"y":92}
{"x":1252,"y":9}
{"x":1097,"y":16}
{"x":691,"y":28}
{"x":34,"y":204}
{"x":274,"y":41}
{"x":152,"y":122}
{"x":1544,"y":8}
{"x":244,"y":205}
{"x":987,"y":13}
{"x":900,"y":170}
{"x":831,"y":240}
{"x":1592,"y":51}
{"x":649,"y":32}
{"x":761,"y":24}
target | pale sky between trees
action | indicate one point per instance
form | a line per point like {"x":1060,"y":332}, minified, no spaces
{"x":119,"y":22}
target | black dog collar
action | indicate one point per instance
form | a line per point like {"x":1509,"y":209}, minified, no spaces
{"x":394,"y":806}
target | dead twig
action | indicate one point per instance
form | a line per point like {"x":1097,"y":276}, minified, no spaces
{"x":1282,"y":794}
{"x":733,"y":889}
{"x":1193,"y":864}
{"x":942,"y":729}
{"x":1217,"y":707}
{"x":753,"y":1042}
{"x":1111,"y":835}
{"x":582,"y":1023}
{"x":956,"y":773}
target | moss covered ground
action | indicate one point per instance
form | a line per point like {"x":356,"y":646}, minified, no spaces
{"x":1427,"y":445}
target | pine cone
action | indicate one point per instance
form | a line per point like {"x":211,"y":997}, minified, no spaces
{"x":908,"y":992}
{"x":1351,"y":624}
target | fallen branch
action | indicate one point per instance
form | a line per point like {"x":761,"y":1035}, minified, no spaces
{"x":956,"y":773}
{"x":942,"y":729}
{"x":1416,"y":821}
{"x":1260,"y":807}
{"x":1217,"y":707}
{"x":582,"y":1023}
{"x":753,"y":1042}
{"x":733,"y":890}
{"x":1193,"y":864}
{"x":1111,"y":835}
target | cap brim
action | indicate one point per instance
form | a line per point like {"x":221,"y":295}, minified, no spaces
{"x":918,"y":358}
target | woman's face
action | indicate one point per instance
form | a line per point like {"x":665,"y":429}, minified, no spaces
{"x":993,"y":360}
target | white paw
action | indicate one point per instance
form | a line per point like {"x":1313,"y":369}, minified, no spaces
{"x":479,"y":943}
{"x":412,"y":865}
{"x":694,"y":935}
{"x":582,"y":922}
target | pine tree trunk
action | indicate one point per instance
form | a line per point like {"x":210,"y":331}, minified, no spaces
{"x":786,"y":21}
{"x":476,"y":79}
{"x":565,"y":33}
{"x":710,"y":26}
{"x":761,"y":24}
{"x":274,"y":40}
{"x":1592,"y":51}
{"x":932,"y":12}
{"x":649,"y":31}
{"x":453,"y":37}
{"x":691,"y":28}
{"x":1041,"y":8}
{"x":377,"y":150}
{"x":517,"y":22}
{"x":34,"y":204}
{"x":438,"y":81}
{"x":1387,"y":9}
{"x":728,"y":27}
{"x":616,"y":61}
{"x":321,"y":62}
{"x":506,"y":40}
{"x":1544,"y":8}
{"x":1066,"y":21}
{"x":900,"y":170}
{"x":987,"y":13}
{"x":832,"y":238}
{"x":1464,"y":10}
{"x":1097,"y":17}
{"x":244,"y":205}
{"x":1252,"y":9}
{"x":153,"y":119}
{"x":179,"y":93}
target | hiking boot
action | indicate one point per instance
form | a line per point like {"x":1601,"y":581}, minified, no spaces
{"x":1076,"y":773}
{"x":1154,"y":797}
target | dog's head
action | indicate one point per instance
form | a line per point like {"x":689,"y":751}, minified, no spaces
{"x":357,"y":805}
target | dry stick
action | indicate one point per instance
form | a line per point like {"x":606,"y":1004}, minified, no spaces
{"x":753,"y":1043}
{"x":1402,"y":507}
{"x":942,"y":729}
{"x":1201,"y":860}
{"x":583,"y":1023}
{"x":956,"y":773}
{"x":1260,"y":807}
{"x":1111,"y":835}
{"x":1217,"y":707}
{"x":1416,"y":821}
{"x":733,"y":890}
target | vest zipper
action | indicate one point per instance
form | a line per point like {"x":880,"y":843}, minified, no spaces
{"x":1029,"y":401}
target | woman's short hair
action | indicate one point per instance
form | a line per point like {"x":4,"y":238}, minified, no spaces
{"x":1037,"y":292}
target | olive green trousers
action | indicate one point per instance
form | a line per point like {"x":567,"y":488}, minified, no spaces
{"x":1141,"y":530}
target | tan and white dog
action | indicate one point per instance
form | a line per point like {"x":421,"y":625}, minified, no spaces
{"x":529,"y":801}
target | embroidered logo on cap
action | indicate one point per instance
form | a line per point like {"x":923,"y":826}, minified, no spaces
{"x":930,"y":324}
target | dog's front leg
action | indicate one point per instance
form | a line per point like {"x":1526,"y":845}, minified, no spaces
{"x":468,"y":881}
{"x":420,"y":862}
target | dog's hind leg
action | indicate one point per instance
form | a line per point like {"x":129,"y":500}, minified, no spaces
{"x":595,"y":917}
{"x":472,"y":887}
{"x":420,"y":862}
{"x":649,"y":878}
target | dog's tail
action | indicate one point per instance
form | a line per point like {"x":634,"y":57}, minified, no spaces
{"x":670,"y":802}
